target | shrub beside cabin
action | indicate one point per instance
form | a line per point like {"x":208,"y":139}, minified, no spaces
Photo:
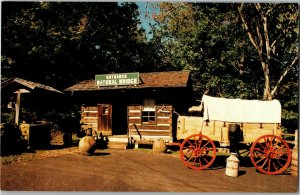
{"x":133,"y":106}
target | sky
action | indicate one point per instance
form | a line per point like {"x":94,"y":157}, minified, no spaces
{"x":144,"y":8}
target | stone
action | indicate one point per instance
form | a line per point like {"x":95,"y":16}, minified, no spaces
{"x":159,"y":146}
{"x":87,"y":145}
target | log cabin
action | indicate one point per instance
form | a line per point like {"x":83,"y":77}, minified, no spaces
{"x":133,"y":107}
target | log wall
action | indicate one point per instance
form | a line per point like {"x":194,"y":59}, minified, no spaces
{"x":160,"y":129}
{"x":89,"y":118}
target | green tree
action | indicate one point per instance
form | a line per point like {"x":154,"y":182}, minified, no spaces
{"x":60,"y":43}
{"x":234,"y":50}
{"x":203,"y":38}
{"x":273,"y":31}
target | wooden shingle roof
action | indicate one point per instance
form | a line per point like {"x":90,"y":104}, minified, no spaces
{"x":170,"y":79}
{"x":29,"y":84}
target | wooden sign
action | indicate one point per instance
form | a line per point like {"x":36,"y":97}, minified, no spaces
{"x":117,"y":79}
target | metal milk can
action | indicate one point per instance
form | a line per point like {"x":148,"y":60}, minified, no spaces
{"x":232,"y":165}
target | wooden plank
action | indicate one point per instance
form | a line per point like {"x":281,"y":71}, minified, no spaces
{"x":134,"y":114}
{"x":134,"y":107}
{"x":134,"y":111}
{"x":163,"y":114}
{"x":89,"y":108}
{"x":134,"y":121}
{"x":259,"y":125}
{"x":164,"y":120}
{"x":153,"y":127}
{"x":87,"y":126}
{"x":89,"y":120}
{"x":161,"y":124}
{"x":150,"y":130}
{"x":151,"y":133}
{"x":89,"y":114}
{"x":164,"y":108}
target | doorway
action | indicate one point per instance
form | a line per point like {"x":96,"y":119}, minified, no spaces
{"x":105,"y":118}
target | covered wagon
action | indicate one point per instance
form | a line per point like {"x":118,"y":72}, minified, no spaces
{"x":230,"y":123}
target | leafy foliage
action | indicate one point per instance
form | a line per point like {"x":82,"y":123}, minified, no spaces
{"x":211,"y":41}
{"x":61,"y":43}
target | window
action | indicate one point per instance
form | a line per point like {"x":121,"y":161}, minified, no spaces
{"x":148,"y":111}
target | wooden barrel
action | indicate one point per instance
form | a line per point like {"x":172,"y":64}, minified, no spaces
{"x":294,"y":166}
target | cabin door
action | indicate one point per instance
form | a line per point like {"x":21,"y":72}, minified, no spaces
{"x":105,"y":119}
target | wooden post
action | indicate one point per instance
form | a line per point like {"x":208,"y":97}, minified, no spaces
{"x":296,"y":138}
{"x":294,"y":163}
{"x":18,"y":104}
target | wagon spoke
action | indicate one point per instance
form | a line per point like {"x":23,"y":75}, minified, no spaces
{"x":204,"y":145}
{"x":259,"y":150}
{"x":279,"y":154}
{"x":280,"y":164}
{"x":247,"y":152}
{"x":201,"y":157}
{"x":281,"y":147}
{"x":271,"y":141}
{"x":195,"y":143}
{"x":264,"y":163}
{"x":269,"y":165}
{"x":188,"y":157}
{"x":262,"y":146}
{"x":200,"y":141}
{"x":266,"y":142}
{"x":260,"y":160}
{"x":191,"y":145}
{"x":205,"y":160}
{"x":276,"y":157}
{"x":196,"y":161}
{"x":274,"y":166}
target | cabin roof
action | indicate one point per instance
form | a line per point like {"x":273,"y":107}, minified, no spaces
{"x":28,"y":84}
{"x":170,"y":79}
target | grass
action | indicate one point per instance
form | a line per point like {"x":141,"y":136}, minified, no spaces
{"x":36,"y":155}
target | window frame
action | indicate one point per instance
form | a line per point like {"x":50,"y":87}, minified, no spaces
{"x":148,"y":112}
{"x":148,"y":116}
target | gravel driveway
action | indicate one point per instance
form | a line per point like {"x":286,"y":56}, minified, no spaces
{"x":136,"y":171}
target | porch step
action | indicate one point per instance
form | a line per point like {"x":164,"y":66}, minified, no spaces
{"x":118,"y":142}
{"x":117,"y":145}
{"x":118,"y":138}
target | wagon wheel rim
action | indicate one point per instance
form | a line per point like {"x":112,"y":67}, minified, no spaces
{"x":197,"y":152}
{"x":270,"y":154}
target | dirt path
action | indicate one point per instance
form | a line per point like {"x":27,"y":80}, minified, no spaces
{"x":133,"y":170}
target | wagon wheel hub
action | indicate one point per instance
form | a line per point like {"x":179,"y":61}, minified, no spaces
{"x":271,"y":154}
{"x":199,"y":152}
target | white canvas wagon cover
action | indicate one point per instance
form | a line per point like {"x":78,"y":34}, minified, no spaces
{"x":238,"y":110}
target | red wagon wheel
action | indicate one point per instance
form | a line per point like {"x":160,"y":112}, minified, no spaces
{"x":270,"y":154}
{"x":198,"y":151}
